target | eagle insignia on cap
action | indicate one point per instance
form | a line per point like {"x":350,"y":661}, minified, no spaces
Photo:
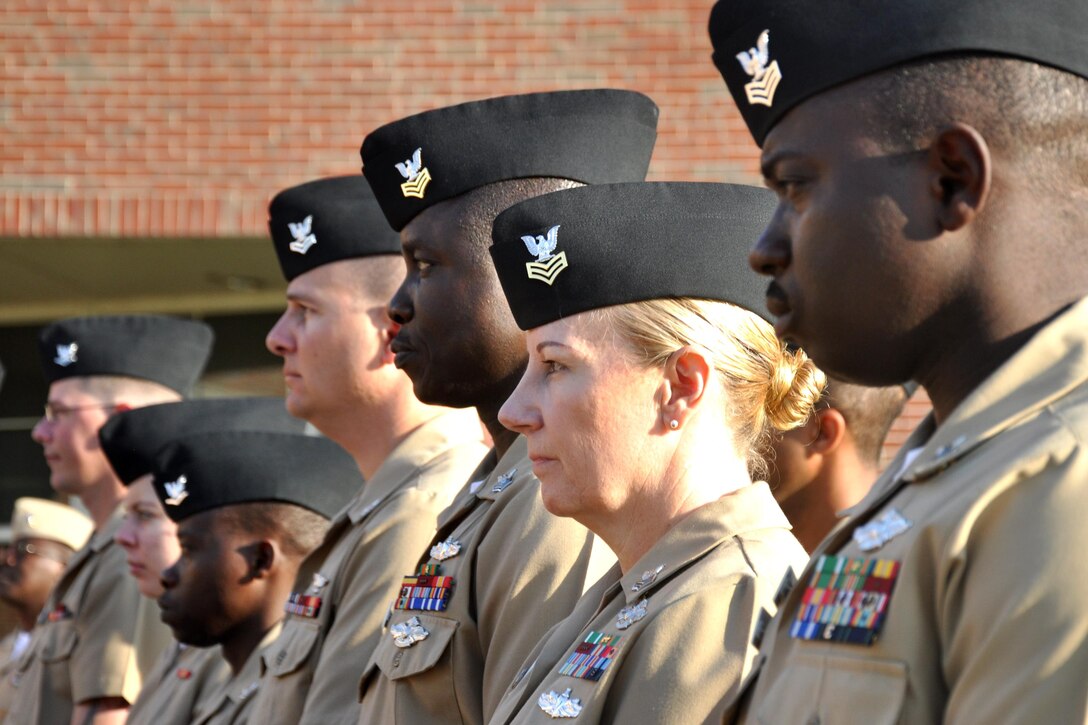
{"x":415,"y":174}
{"x":66,"y":354}
{"x":547,"y":265}
{"x":302,"y":232}
{"x":765,"y":78}
{"x":176,"y":491}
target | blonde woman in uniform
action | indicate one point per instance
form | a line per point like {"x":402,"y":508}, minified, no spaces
{"x":649,"y":393}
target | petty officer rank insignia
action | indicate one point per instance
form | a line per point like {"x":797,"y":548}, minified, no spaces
{"x":416,"y":175}
{"x":303,"y":605}
{"x":846,"y":600}
{"x":592,"y":657}
{"x":548,"y":264}
{"x":427,"y":591}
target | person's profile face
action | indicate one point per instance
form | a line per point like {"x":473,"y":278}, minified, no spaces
{"x":458,"y":341}
{"x":204,"y":593}
{"x":148,"y":537}
{"x":854,"y":250}
{"x":68,"y":436}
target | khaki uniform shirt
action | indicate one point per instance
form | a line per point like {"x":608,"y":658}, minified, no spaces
{"x":987,"y":620}
{"x":8,"y":658}
{"x":231,"y":703}
{"x":516,"y":570}
{"x":669,"y":640}
{"x":344,"y":587}
{"x":178,"y":689}
{"x":96,"y":638}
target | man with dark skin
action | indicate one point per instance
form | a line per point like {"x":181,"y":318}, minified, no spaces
{"x":932,"y":210}
{"x":249,"y":506}
{"x":503,"y":568}
{"x":45,"y":535}
{"x":828,"y":464}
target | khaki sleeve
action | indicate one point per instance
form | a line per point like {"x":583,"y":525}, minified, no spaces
{"x":386,"y":553}
{"x":120,"y":636}
{"x":693,"y":653}
{"x":1014,"y":602}
{"x":531,"y":572}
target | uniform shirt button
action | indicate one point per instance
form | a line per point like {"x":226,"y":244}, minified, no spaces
{"x":813,"y":720}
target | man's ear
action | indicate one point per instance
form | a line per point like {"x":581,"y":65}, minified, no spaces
{"x":260,"y":558}
{"x":686,"y":374}
{"x":961,"y":166}
{"x":830,"y":431}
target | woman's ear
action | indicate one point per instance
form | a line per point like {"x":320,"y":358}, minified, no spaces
{"x":687,"y":372}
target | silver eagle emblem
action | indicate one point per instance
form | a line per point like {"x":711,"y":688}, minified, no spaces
{"x":765,"y":78}
{"x":541,"y":246}
{"x":175,"y":491}
{"x":416,"y":175}
{"x":66,"y":354}
{"x":303,"y":233}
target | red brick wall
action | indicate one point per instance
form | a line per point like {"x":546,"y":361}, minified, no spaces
{"x":182,"y":117}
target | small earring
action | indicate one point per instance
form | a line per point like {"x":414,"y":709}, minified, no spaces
{"x":674,"y":424}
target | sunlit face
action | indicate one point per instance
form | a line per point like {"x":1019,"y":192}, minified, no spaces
{"x":333,"y":341}
{"x":458,"y":341}
{"x":206,"y":594}
{"x":30,"y":570}
{"x":861,"y":271}
{"x":70,"y":441}
{"x":148,"y":537}
{"x":591,"y":417}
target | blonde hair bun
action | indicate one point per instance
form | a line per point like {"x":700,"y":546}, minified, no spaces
{"x":796,"y":386}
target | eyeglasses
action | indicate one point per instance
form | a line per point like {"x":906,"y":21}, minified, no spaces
{"x":53,"y":412}
{"x":23,"y":549}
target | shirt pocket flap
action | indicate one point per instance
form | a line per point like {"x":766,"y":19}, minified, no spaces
{"x":291,"y":649}
{"x":58,"y":641}
{"x":399,"y":662}
{"x":836,"y":689}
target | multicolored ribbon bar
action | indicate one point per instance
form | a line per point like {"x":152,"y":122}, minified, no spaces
{"x":846,"y":600}
{"x":301,"y":605}
{"x":426,"y":591}
{"x":592,"y":657}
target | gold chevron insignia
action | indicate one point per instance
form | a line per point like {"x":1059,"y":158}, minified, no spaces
{"x":417,"y":186}
{"x":546,"y":272}
{"x":761,"y":91}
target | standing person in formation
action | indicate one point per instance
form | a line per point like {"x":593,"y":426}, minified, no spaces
{"x":822,"y":468}
{"x":98,"y":638}
{"x":650,"y":388}
{"x":177,"y":689}
{"x":44,"y":535}
{"x":930,"y":161}
{"x":249,"y":506}
{"x":342,"y":262}
{"x":500,"y":568}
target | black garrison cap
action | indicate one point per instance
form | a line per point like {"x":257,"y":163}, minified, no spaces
{"x":130,"y":439}
{"x":208,"y":470}
{"x":774,"y":54}
{"x":593,"y":136}
{"x":596,"y":246}
{"x":328,"y":220}
{"x":164,"y":350}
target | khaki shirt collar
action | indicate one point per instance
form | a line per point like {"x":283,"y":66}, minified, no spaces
{"x":748,"y":509}
{"x":421,"y":446}
{"x":244,"y":685}
{"x":1052,"y":363}
{"x":514,"y":463}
